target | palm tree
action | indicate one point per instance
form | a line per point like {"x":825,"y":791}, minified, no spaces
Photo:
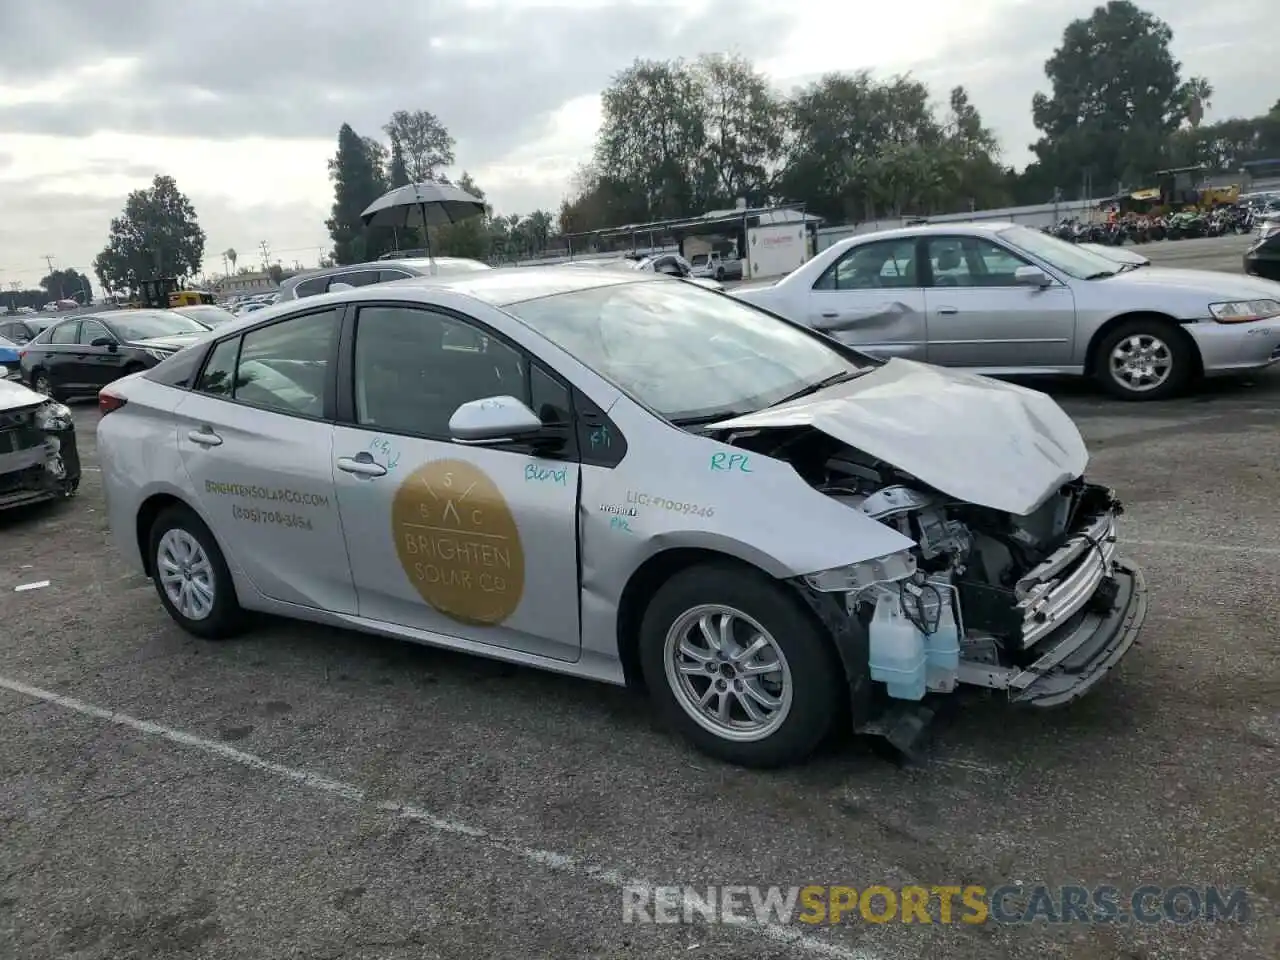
{"x":1198,"y":95}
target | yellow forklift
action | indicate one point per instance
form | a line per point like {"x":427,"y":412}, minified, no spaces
{"x":163,"y":294}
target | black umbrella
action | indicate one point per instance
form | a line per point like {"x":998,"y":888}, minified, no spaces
{"x":422,"y":205}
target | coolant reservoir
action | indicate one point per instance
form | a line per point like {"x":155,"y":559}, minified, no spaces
{"x":897,"y":654}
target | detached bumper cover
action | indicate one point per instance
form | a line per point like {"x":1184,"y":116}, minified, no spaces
{"x":30,"y":473}
{"x":1088,"y":650}
{"x":1079,"y":653}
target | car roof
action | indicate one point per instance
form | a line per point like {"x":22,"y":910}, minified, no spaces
{"x":507,"y":285}
{"x":975,"y":228}
{"x":417,"y":264}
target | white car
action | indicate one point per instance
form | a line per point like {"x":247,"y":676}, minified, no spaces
{"x":624,"y":477}
{"x":670,"y":264}
{"x":1000,"y":299}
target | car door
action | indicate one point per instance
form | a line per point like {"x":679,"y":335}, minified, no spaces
{"x":95,"y":367}
{"x":872,"y":298}
{"x":60,"y":355}
{"x":256,"y":438}
{"x":981,"y":318}
{"x":472,"y":542}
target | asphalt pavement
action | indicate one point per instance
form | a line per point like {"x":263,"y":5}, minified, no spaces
{"x":312,"y":793}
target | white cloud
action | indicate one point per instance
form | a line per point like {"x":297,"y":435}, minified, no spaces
{"x":59,"y":193}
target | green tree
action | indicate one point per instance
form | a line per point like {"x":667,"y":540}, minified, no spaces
{"x":742,"y":139}
{"x":68,"y":284}
{"x":597,"y":201}
{"x":653,"y":137}
{"x":467,"y":238}
{"x":397,"y":171}
{"x":845,"y":129}
{"x":157,"y":235}
{"x":1117,"y":95}
{"x":421,"y":142}
{"x":358,"y":179}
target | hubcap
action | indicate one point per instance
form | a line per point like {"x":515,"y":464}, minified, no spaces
{"x":1141,"y":362}
{"x":42,"y":385}
{"x":728,"y":673}
{"x":186,"y":574}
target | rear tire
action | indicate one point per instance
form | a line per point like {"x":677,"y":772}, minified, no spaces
{"x":191,"y":576}
{"x":1144,"y":359}
{"x":781,"y":700}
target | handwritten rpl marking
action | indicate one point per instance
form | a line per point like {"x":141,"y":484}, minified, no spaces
{"x":738,"y":462}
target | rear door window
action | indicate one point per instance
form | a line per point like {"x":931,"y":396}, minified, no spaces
{"x":65,"y":332}
{"x":311,"y":288}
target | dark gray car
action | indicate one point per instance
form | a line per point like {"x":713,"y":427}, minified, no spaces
{"x":378,"y":271}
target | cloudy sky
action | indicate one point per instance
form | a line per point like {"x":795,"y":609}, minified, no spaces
{"x":241,"y":101}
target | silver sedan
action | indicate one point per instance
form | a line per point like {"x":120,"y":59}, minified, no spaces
{"x":1002,"y":299}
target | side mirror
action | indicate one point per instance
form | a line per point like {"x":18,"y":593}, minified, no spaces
{"x":493,"y":420}
{"x":1032,"y":277}
{"x":103,"y":342}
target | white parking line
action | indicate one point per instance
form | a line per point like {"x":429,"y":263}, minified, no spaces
{"x":1246,"y":549}
{"x":556,"y":862}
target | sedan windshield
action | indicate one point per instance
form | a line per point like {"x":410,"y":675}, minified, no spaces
{"x":209,"y":315}
{"x":686,"y":353}
{"x":1067,"y":257}
{"x":145,"y":325}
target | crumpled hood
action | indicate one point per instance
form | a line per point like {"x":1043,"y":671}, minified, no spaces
{"x":979,"y":440}
{"x":1216,"y":287}
{"x":14,"y":395}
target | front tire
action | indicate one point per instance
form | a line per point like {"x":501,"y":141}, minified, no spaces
{"x":191,"y":576}
{"x":1144,"y":360}
{"x":739,"y":667}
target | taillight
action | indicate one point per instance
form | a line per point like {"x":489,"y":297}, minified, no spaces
{"x":108,"y":401}
{"x":22,"y":353}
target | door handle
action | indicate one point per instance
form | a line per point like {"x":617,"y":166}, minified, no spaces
{"x":205,"y":437}
{"x":947,"y":311}
{"x":361,"y":467}
{"x":830,"y":315}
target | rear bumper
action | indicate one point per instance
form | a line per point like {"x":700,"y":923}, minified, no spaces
{"x":1078,"y":654}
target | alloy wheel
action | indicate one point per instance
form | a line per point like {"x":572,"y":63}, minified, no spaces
{"x":728,"y":673}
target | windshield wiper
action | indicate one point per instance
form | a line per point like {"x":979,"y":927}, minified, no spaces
{"x":822,"y":384}
{"x":1102,"y":274}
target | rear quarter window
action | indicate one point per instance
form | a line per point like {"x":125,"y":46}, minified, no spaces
{"x":180,"y":369}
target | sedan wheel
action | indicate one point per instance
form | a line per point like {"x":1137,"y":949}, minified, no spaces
{"x":1144,"y":360}
{"x":191,"y":575}
{"x":739,"y":666}
{"x":728,"y":673}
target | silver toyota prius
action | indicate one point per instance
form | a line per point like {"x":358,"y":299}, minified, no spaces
{"x":625,"y":477}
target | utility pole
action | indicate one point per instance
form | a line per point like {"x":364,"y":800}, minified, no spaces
{"x":48,"y":259}
{"x":266,"y":254}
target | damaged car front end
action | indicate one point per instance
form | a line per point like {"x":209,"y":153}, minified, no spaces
{"x":38,"y":455}
{"x":1015,"y":583}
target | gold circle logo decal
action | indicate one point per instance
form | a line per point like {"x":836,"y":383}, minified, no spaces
{"x":458,"y":543}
